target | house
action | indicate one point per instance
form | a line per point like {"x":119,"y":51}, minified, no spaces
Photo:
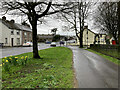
{"x":90,"y":37}
{"x":13,"y":34}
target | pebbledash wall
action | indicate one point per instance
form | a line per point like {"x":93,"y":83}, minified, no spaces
{"x":16,"y":38}
{"x":6,"y":34}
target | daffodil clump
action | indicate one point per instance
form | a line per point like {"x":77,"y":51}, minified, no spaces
{"x":9,"y":61}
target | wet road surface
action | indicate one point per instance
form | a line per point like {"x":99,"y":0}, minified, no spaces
{"x":4,"y":52}
{"x":93,"y":71}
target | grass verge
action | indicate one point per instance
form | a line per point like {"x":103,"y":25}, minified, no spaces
{"x":114,"y":60}
{"x":53,"y":71}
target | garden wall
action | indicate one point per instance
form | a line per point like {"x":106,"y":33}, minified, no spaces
{"x":111,"y":50}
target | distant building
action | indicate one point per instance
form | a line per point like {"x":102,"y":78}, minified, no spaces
{"x":44,"y":37}
{"x":13,"y":34}
{"x":90,"y":37}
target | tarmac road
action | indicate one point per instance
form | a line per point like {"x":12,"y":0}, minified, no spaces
{"x":93,"y":71}
{"x":4,"y":52}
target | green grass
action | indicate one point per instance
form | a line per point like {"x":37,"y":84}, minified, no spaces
{"x":53,"y":71}
{"x":114,"y":60}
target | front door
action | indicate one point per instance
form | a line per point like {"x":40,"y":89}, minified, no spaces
{"x":12,"y":41}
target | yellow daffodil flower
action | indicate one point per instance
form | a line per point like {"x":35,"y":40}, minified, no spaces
{"x":26,"y":56}
{"x":6,"y":60}
{"x":5,"y":57}
{"x":22,"y":57}
{"x":16,"y":57}
{"x":1,"y":65}
{"x":17,"y":60}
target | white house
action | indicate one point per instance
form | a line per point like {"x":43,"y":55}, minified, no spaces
{"x":90,"y":37}
{"x":12,"y":34}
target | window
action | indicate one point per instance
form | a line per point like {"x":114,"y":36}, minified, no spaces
{"x":18,"y":41}
{"x":18,"y":32}
{"x":12,"y":32}
{"x":6,"y":41}
{"x":25,"y":34}
{"x":25,"y":41}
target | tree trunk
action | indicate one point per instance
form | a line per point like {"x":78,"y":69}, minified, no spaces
{"x":81,"y":39}
{"x":119,"y":22}
{"x":35,"y":43}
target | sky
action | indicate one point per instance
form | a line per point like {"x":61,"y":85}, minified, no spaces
{"x":55,"y":23}
{"x":44,"y":28}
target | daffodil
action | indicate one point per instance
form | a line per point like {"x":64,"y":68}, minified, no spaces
{"x":16,"y":57}
{"x":6,"y":60}
{"x":22,"y":57}
{"x":0,"y":64}
{"x":26,"y":56}
{"x":5,"y":57}
{"x":17,"y":60}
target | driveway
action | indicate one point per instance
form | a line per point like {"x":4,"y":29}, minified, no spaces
{"x":4,"y":52}
{"x":93,"y":71}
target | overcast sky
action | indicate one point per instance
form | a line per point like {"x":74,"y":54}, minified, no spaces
{"x":44,"y":28}
{"x":54,"y":23}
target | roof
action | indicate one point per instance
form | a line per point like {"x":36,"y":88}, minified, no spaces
{"x":100,"y":32}
{"x":45,"y":36}
{"x":16,"y":26}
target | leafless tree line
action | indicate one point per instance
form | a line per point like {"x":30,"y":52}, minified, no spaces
{"x":107,"y":19}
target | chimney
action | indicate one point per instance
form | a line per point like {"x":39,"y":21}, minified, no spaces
{"x":13,"y":21}
{"x":85,"y":27}
{"x":4,"y":18}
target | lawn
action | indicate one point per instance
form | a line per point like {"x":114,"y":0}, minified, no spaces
{"x":53,"y":71}
{"x":112,"y":59}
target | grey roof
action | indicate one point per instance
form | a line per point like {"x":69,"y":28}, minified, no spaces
{"x":16,"y":26}
{"x":45,"y":36}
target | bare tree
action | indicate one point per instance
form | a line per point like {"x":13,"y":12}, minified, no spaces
{"x":54,"y":30}
{"x":118,"y":22}
{"x":107,"y":18}
{"x":76,"y":17}
{"x":35,"y":10}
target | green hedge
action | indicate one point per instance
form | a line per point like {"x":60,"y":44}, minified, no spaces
{"x":111,"y":50}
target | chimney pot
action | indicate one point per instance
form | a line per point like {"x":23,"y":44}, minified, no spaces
{"x":3,"y":18}
{"x":13,"y":21}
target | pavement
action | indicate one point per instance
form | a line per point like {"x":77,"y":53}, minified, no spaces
{"x":7,"y":51}
{"x":93,"y":71}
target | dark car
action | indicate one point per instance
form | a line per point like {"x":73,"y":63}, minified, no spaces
{"x":47,"y":42}
{"x":62,"y":43}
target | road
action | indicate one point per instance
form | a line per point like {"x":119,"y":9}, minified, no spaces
{"x":93,"y":71}
{"x":4,"y":52}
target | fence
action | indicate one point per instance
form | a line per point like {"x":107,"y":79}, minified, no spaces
{"x":111,"y":50}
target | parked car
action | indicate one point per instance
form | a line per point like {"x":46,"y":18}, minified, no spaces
{"x":71,"y":41}
{"x":62,"y":43}
{"x":47,"y":42}
{"x":53,"y":44}
{"x":1,"y":44}
{"x":28,"y":44}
